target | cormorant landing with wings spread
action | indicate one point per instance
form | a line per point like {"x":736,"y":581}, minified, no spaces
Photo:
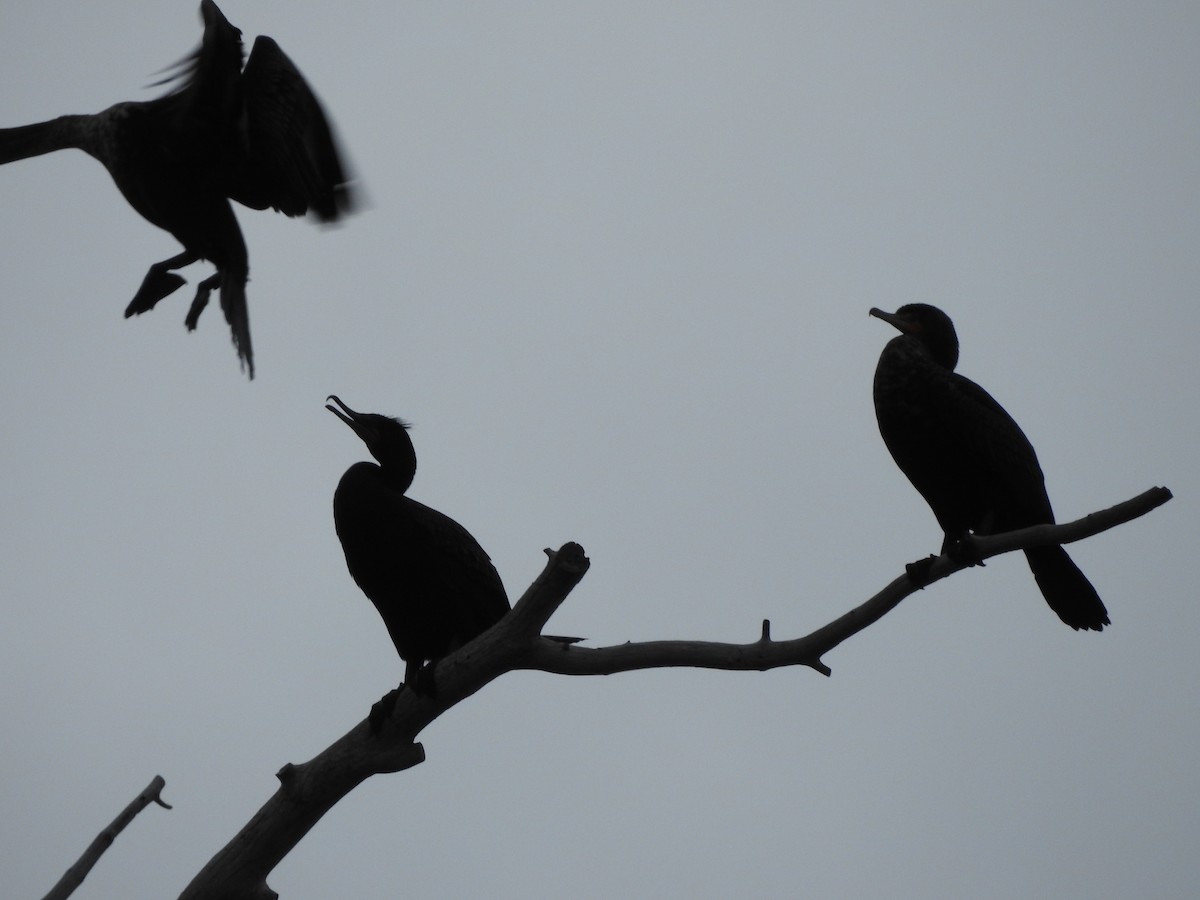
{"x":255,"y":135}
{"x":967,"y":457}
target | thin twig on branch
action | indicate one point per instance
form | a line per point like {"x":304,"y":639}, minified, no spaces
{"x":308,"y":790}
{"x":74,"y":876}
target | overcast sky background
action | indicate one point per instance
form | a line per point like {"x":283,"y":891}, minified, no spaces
{"x":615,"y":267}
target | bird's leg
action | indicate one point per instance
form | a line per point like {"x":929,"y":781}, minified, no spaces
{"x":203,"y":289}
{"x":158,"y":283}
{"x":419,"y":678}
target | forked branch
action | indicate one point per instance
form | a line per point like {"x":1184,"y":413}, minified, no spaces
{"x":239,"y":871}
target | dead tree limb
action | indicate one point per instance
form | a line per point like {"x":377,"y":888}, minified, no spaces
{"x":74,"y":876}
{"x":766,"y":654}
{"x":308,"y":790}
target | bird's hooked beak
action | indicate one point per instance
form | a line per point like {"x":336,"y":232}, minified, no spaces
{"x":349,"y":414}
{"x":900,"y":323}
{"x":355,"y":420}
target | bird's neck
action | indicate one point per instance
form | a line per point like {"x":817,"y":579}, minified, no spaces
{"x":906,"y":368}
{"x":907,"y":350}
{"x":63,"y":133}
{"x":397,"y":478}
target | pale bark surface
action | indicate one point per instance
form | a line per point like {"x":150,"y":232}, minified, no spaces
{"x":308,"y":790}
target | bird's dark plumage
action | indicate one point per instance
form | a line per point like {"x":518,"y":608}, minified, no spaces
{"x":432,"y":583}
{"x":255,"y":135}
{"x":967,"y":457}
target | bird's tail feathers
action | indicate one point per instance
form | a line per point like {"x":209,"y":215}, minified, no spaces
{"x":233,"y":304}
{"x":1066,"y":589}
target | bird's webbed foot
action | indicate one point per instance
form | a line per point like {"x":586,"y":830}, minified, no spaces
{"x":918,"y":572}
{"x":381,"y":710}
{"x":157,"y":284}
{"x":962,"y":550}
{"x":418,"y":678}
{"x":203,"y":289}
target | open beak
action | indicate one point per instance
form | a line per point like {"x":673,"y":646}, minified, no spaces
{"x":347,"y":416}
{"x":360,"y":423}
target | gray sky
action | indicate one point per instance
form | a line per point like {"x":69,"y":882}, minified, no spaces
{"x":616,"y":268}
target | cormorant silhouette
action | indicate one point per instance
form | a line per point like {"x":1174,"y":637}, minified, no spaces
{"x":966,"y":456}
{"x":255,"y":135}
{"x":432,"y":583}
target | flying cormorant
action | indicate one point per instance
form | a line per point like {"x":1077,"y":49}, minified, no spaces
{"x":967,"y":457}
{"x":432,"y":583}
{"x":255,"y":135}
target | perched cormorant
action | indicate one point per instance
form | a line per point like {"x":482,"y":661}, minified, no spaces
{"x":255,"y":135}
{"x":432,"y":583}
{"x":967,"y":457}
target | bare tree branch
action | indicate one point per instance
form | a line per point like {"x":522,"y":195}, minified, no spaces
{"x":766,"y":654}
{"x":74,"y":876}
{"x":308,"y":790}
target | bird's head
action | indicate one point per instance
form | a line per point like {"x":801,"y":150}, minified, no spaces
{"x":930,"y":326}
{"x":386,"y":438}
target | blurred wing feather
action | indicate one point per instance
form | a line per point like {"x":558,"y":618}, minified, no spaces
{"x":292,"y":160}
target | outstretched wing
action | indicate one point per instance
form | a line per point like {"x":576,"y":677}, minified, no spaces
{"x":292,"y":161}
